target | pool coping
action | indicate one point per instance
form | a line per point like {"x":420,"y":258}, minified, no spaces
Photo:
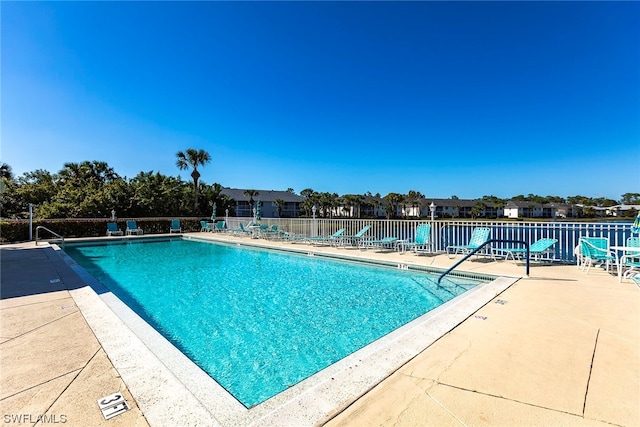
{"x":143,"y":357}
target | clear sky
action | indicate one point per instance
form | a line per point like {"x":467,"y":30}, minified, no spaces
{"x":445,"y":98}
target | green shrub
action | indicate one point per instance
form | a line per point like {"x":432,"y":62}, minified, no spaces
{"x":18,"y":231}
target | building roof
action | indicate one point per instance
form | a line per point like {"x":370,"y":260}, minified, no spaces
{"x":238,"y":195}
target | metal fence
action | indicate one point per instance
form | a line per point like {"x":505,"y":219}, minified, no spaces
{"x":452,"y":232}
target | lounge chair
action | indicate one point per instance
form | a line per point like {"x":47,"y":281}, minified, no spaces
{"x":354,"y":239}
{"x":113,"y":230}
{"x":204,"y":226}
{"x":242,"y":229}
{"x":293,"y":238}
{"x":479,"y":236}
{"x":333,"y":240}
{"x":387,"y":243}
{"x":630,"y":261}
{"x":220,"y":226}
{"x":132,"y":228}
{"x":271,"y":233}
{"x":595,"y":251}
{"x":420,"y":243}
{"x":540,"y":250}
{"x":175,"y":226}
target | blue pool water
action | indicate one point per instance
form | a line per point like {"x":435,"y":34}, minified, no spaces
{"x":260,"y":321}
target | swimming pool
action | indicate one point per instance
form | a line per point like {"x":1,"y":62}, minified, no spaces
{"x":260,"y":321}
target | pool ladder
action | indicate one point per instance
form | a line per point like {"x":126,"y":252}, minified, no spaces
{"x":40,"y":227}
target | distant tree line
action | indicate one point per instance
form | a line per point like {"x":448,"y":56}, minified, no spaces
{"x":92,"y":189}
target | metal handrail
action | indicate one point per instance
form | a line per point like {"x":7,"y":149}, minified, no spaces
{"x":482,"y":246}
{"x":52,"y":232}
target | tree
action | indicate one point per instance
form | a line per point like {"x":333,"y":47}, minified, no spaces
{"x":630,"y":199}
{"x":392,"y":200}
{"x":6,"y":172}
{"x":279,"y":205}
{"x":251,"y":194}
{"x":413,"y":198}
{"x":310,"y":199}
{"x":193,"y":158}
{"x":353,"y":202}
{"x":80,"y":191}
{"x":477,"y":209}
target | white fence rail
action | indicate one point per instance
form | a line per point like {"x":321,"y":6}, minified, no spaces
{"x":453,"y":232}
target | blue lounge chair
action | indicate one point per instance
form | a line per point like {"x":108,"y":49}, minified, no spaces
{"x":220,"y":226}
{"x":334,"y":239}
{"x":479,"y":236}
{"x":272,"y":233}
{"x":293,"y":238}
{"x":132,"y":228}
{"x":595,"y":251}
{"x":387,"y":243}
{"x":242,"y":229}
{"x":354,"y":239}
{"x":540,"y":250}
{"x":113,"y":230}
{"x":420,"y":243}
{"x":175,"y":226}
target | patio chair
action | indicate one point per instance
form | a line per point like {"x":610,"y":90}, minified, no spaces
{"x":636,"y":278}
{"x":334,"y":239}
{"x":220,"y":226}
{"x":175,"y":226}
{"x":630,"y":261}
{"x":595,"y":251}
{"x":113,"y":230}
{"x":204,"y":226}
{"x":354,"y":239}
{"x":132,"y":228}
{"x":540,"y":250}
{"x":421,"y":240}
{"x":479,"y":236}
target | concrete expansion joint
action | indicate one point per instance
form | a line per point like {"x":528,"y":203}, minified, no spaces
{"x":70,"y":313}
{"x":593,"y":356}
{"x":79,"y":371}
{"x":34,"y":303}
{"x":514,"y":400}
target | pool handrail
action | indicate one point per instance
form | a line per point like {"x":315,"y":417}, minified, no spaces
{"x":464,"y":258}
{"x":38,"y":228}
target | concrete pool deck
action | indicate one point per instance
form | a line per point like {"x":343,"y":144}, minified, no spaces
{"x":557,"y":348}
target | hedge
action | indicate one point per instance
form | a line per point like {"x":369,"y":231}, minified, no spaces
{"x":18,"y":231}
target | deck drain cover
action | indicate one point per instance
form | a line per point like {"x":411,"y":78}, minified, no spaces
{"x":113,"y":405}
{"x":54,"y":281}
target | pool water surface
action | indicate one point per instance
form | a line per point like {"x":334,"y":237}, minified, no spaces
{"x":260,"y":321}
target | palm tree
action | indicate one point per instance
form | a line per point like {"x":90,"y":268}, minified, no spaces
{"x":6,"y":171}
{"x":250,"y":194}
{"x":193,"y":158}
{"x":279,"y":205}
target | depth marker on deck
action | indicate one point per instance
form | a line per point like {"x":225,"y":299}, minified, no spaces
{"x":113,"y":405}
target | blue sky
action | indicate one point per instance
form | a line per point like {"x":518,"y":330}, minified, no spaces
{"x":446,"y":98}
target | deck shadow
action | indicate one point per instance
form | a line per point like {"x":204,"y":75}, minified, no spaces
{"x":33,"y":271}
